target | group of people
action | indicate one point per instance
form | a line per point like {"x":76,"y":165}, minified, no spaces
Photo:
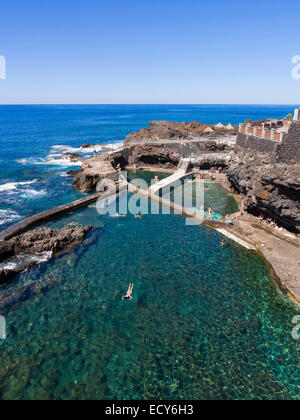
{"x":95,"y":153}
{"x":134,"y":168}
{"x":270,"y":222}
{"x":229,"y":221}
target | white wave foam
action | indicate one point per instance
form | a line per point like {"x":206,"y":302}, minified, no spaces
{"x":51,"y":160}
{"x":21,"y":261}
{"x":56,"y":156}
{"x":86,"y":150}
{"x":25,"y":161}
{"x":14,"y":185}
{"x":31,"y":193}
{"x":63,"y":161}
{"x":8,"y":216}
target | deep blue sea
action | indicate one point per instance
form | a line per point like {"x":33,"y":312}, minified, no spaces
{"x":205,"y":322}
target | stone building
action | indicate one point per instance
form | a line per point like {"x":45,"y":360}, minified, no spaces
{"x":279,"y":138}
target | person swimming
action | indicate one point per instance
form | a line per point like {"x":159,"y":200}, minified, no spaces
{"x":128,"y":295}
{"x":210,"y":213}
{"x":223,"y":242}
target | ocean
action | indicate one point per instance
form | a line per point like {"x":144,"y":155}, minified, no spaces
{"x":205,"y":322}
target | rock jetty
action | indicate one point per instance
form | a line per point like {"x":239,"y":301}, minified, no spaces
{"x":25,"y":251}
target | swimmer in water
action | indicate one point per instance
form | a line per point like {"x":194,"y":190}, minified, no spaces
{"x":210,"y":212}
{"x":223,"y":242}
{"x":128,"y":296}
{"x":138,"y":216}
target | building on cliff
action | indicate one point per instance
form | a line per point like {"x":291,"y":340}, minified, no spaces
{"x":278,"y":138}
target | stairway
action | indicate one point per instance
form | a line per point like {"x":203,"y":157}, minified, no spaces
{"x":182,"y":170}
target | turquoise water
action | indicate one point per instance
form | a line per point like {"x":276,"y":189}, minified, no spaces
{"x":220,"y":200}
{"x":215,"y":196}
{"x":147,"y":176}
{"x":206,"y":322}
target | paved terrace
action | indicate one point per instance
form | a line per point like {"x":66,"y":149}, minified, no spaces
{"x":100,"y":166}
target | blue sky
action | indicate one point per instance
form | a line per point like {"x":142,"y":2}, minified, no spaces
{"x":158,"y":51}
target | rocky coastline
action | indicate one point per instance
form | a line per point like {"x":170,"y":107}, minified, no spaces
{"x":267,"y":188}
{"x":29,"y":249}
{"x":264,"y":187}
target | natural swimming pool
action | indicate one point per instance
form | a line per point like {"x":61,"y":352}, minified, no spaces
{"x":206,"y":322}
{"x":223,"y":203}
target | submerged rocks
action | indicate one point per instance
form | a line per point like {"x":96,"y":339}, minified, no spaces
{"x":9,"y":301}
{"x":34,"y":247}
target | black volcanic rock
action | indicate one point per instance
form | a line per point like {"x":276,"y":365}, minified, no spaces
{"x":73,"y":157}
{"x":165,"y":130}
{"x":86,"y":181}
{"x":29,"y":249}
{"x":273,"y":189}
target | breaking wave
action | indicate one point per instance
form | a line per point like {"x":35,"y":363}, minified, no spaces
{"x":10,"y":186}
{"x":20,"y":261}
{"x":8,"y":216}
{"x":51,"y":160}
{"x":86,"y":150}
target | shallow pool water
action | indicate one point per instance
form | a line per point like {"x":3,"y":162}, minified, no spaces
{"x":147,"y":176}
{"x":214,"y":196}
{"x":220,"y":200}
{"x":206,"y":322}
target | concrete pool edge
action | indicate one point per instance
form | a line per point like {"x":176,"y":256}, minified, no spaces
{"x":276,"y":260}
{"x":282,"y":277}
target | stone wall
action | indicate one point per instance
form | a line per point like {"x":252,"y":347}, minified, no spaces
{"x":205,"y":154}
{"x":287,"y":151}
{"x":248,"y":142}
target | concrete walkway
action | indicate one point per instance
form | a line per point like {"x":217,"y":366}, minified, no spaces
{"x":181,"y":172}
{"x":47,"y":215}
{"x":280,"y":248}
